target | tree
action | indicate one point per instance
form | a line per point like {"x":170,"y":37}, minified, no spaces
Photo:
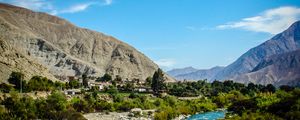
{"x":85,"y":80}
{"x":17,"y":78}
{"x":5,"y":87}
{"x":106,"y":77}
{"x":148,"y":81}
{"x":57,"y":101}
{"x":286,"y":88}
{"x":118,"y":79}
{"x":269,"y":88}
{"x":39,"y":83}
{"x":158,"y":81}
{"x":74,"y":84}
{"x":129,"y":86}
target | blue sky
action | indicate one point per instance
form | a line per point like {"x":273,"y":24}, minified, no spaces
{"x":179,"y":33}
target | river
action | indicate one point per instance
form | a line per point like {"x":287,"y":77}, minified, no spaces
{"x":214,"y":115}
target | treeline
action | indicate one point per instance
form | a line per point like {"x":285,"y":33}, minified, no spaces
{"x":245,"y":102}
{"x":249,"y":101}
{"x":55,"y":106}
{"x":203,"y":88}
{"x":284,"y":104}
{"x":36,"y":83}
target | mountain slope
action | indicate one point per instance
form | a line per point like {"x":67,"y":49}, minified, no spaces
{"x":180,"y":71}
{"x":277,"y":69}
{"x":200,"y":74}
{"x":67,"y":50}
{"x":288,"y":40}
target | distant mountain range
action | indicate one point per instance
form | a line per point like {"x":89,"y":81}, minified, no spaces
{"x":180,"y":71}
{"x":195,"y":74}
{"x":248,"y":67}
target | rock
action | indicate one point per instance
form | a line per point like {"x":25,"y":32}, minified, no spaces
{"x":60,"y":49}
{"x":287,"y":41}
{"x":281,"y":69}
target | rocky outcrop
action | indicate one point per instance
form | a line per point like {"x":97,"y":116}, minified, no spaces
{"x":280,"y":69}
{"x":66,"y":50}
{"x":259,"y":64}
{"x":11,"y":60}
{"x":287,"y":41}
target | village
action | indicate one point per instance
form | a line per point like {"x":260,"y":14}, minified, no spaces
{"x":103,"y":84}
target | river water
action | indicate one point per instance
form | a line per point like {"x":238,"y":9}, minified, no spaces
{"x":214,"y":115}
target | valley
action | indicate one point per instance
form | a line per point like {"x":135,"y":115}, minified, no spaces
{"x":50,"y":68}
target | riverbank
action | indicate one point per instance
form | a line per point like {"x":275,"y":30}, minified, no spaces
{"x":122,"y":116}
{"x":145,"y":115}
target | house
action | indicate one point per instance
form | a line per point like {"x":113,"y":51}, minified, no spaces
{"x":100,"y":85}
{"x":72,"y":91}
{"x":143,"y":89}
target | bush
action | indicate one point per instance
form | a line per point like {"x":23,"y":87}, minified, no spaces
{"x":5,"y":88}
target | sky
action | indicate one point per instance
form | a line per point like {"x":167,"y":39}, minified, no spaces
{"x":179,"y":33}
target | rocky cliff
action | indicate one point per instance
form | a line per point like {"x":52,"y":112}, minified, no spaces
{"x":288,"y":40}
{"x":279,"y":69}
{"x":275,"y":61}
{"x":57,"y":48}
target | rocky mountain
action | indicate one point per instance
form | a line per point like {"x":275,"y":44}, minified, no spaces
{"x":274,"y":61}
{"x":180,"y":71}
{"x":199,"y":74}
{"x":277,"y":69}
{"x":288,"y":40}
{"x":40,"y":44}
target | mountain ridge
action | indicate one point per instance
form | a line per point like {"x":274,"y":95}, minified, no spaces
{"x":279,"y":69}
{"x":280,"y":43}
{"x":251,"y":61}
{"x":67,"y":50}
{"x":199,"y":74}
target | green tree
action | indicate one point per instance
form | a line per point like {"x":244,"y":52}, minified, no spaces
{"x":118,"y":79}
{"x":5,"y":88}
{"x":158,"y":84}
{"x":85,"y":80}
{"x":17,"y":78}
{"x":105,"y":78}
{"x":74,"y":84}
{"x":269,"y":88}
{"x":57,"y":101}
{"x":148,"y":81}
{"x":129,"y":86}
{"x":39,"y":83}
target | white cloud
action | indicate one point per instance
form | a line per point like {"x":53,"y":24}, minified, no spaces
{"x":192,"y":28}
{"x":165,"y":63}
{"x":271,"y":21}
{"x":36,"y":5}
{"x":47,"y":6}
{"x":73,"y":9}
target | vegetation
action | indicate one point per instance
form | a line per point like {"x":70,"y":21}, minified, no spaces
{"x":279,"y":105}
{"x":17,"y":79}
{"x":55,"y":106}
{"x":85,"y":80}
{"x":105,"y":78}
{"x":158,"y":84}
{"x":242,"y":101}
